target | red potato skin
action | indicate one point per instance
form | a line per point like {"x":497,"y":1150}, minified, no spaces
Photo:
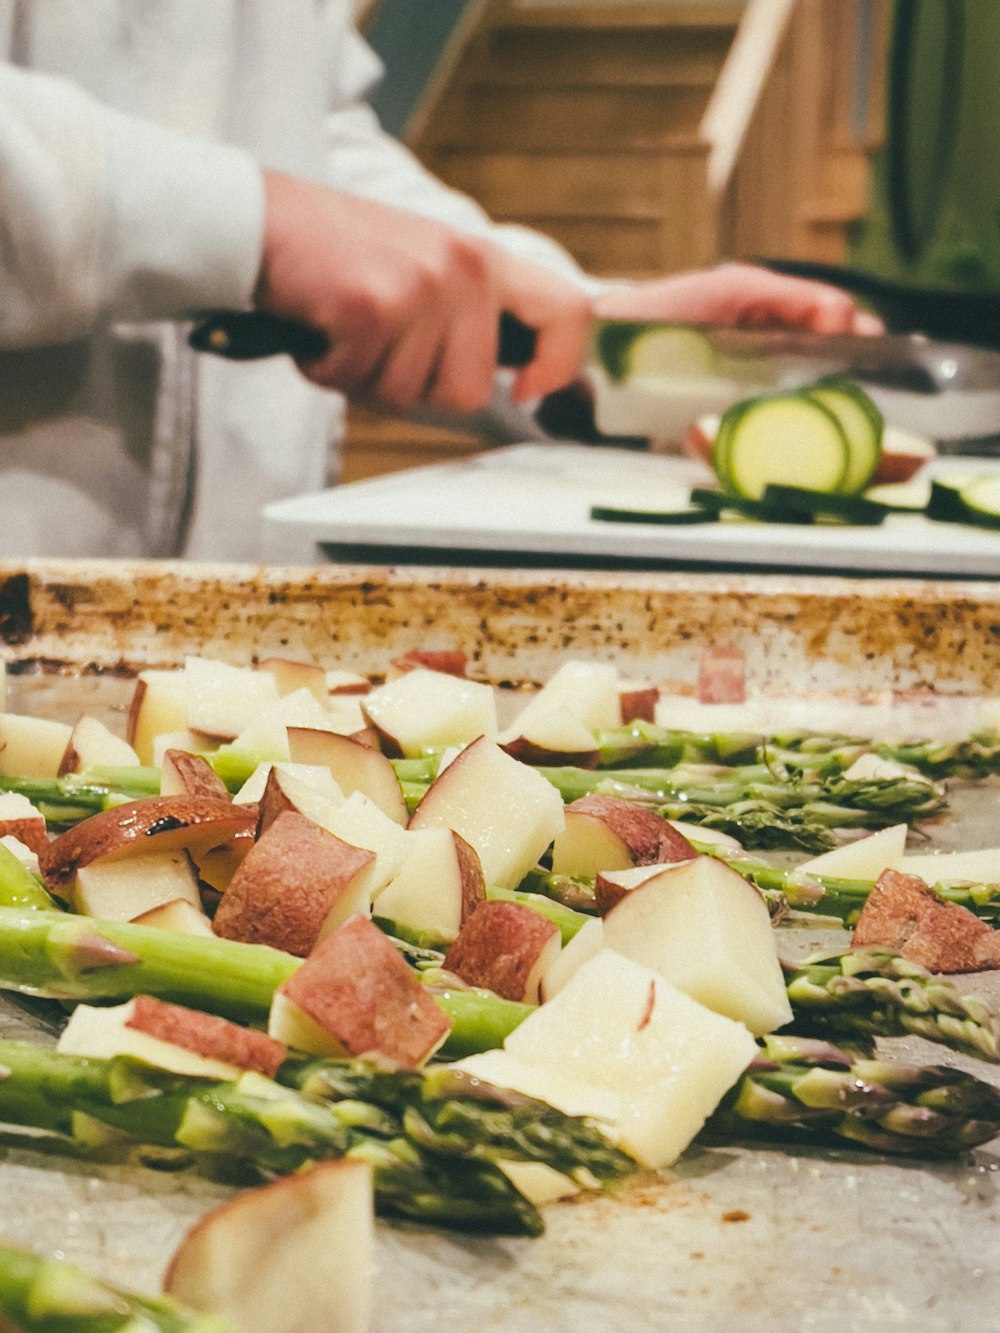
{"x":157,"y":823}
{"x":356,"y":986}
{"x":639,"y":705}
{"x":650,"y":838}
{"x":722,"y":675}
{"x":207,"y":1035}
{"x":283,"y":890}
{"x":470,"y":870}
{"x":498,"y":947}
{"x":196,"y":775}
{"x":449,"y":661}
{"x":29,"y":831}
{"x":527,"y":752}
{"x":273,"y":802}
{"x":904,"y":913}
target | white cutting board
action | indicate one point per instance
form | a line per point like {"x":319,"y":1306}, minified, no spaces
{"x":536,"y":499}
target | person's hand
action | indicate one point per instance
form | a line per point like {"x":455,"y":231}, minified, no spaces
{"x":410,"y":308}
{"x":743,"y":295}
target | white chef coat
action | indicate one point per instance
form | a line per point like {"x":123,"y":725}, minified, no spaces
{"x":132,"y":137}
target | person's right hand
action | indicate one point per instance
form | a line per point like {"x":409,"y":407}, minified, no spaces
{"x":410,"y":307}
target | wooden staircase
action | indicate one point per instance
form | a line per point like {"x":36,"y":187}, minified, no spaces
{"x":649,"y":138}
{"x":583,"y":120}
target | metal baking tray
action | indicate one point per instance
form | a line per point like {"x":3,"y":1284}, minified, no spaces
{"x":736,"y":1238}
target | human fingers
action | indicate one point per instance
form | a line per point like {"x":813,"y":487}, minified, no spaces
{"x":560,"y":315}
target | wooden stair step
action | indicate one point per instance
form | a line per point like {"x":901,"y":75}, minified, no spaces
{"x":495,"y":118}
{"x":587,"y":57}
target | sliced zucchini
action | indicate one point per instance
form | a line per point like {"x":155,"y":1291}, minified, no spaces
{"x":945,"y":503}
{"x":668,"y":517}
{"x":670,"y":351}
{"x":720,"y":502}
{"x":627,"y":348}
{"x":862,"y":424}
{"x":854,"y":509}
{"x":785,"y":438}
{"x":981,"y":496}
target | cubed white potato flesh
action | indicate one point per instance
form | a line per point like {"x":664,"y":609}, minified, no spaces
{"x":178,"y":915}
{"x":91,"y":743}
{"x":979,"y":866}
{"x":707,"y":930}
{"x":588,"y":941}
{"x":159,"y":704}
{"x":504,"y":809}
{"x":865,"y":858}
{"x":360,"y":822}
{"x":223,"y":699}
{"x":625,"y":1028}
{"x":551,"y":728}
{"x":430,"y":890}
{"x":422,"y":709}
{"x":354,"y":766}
{"x":120,"y":889}
{"x":293,"y":1256}
{"x":587,"y":690}
{"x":314,"y":776}
{"x":32,"y":747}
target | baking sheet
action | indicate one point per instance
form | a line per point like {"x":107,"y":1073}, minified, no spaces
{"x":536,"y":500}
{"x":731,"y":1238}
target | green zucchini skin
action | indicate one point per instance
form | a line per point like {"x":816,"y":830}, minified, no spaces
{"x":854,"y":509}
{"x":665,"y":517}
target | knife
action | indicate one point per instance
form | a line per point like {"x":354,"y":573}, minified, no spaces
{"x":248,"y":335}
{"x":947,"y":390}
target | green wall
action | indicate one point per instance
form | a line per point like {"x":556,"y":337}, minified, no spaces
{"x":961,"y":235}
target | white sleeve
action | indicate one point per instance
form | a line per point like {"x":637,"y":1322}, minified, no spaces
{"x":102,"y":213}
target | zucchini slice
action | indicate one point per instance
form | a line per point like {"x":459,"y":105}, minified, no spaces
{"x":785,"y":438}
{"x":981,"y":497}
{"x":667,"y":517}
{"x":720,"y":502}
{"x":862,"y":424}
{"x":855,"y":509}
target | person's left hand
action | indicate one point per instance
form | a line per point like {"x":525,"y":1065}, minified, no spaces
{"x":743,"y":295}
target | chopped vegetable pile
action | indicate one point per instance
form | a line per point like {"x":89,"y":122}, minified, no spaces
{"x":365,"y":946}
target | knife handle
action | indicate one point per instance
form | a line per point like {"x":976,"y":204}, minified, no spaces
{"x":248,"y":335}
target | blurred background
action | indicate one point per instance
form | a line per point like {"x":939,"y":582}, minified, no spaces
{"x":856,"y":138}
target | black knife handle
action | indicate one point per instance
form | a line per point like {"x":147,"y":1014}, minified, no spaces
{"x":248,"y":335}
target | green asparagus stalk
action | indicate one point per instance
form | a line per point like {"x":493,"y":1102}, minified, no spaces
{"x":801,"y":1087}
{"x":875,"y":992}
{"x":69,"y":799}
{"x":58,"y":956}
{"x":258,"y":1122}
{"x":445,"y":1110}
{"x":64,"y":957}
{"x":973,"y":757}
{"x":45,"y":1295}
{"x":867,"y":991}
{"x":19,"y":887}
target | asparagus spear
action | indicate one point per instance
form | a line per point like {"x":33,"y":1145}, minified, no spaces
{"x":51,"y":1294}
{"x":58,"y":956}
{"x":875,"y":992}
{"x":19,"y":887}
{"x":804,"y":1087}
{"x":258,"y":1122}
{"x":446,"y":1110}
{"x":65,"y":957}
{"x":976,"y":756}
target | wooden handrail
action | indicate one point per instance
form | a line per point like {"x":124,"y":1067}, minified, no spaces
{"x":740,"y":86}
